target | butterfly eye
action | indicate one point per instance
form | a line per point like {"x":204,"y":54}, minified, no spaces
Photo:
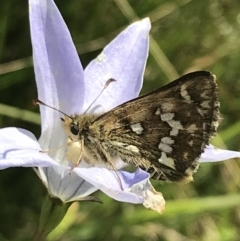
{"x":74,"y":129}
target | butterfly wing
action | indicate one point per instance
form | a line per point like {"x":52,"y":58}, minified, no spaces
{"x":166,"y":130}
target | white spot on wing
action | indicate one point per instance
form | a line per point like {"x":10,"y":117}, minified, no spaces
{"x":167,"y":107}
{"x":167,"y":117}
{"x":201,"y":112}
{"x":158,"y":112}
{"x":176,"y":126}
{"x":204,"y":94}
{"x":185,"y":94}
{"x":174,"y":132}
{"x":205,"y":104}
{"x":165,"y":143}
{"x":192,"y":128}
{"x":166,"y":160}
{"x":167,"y":140}
{"x":165,"y":147}
{"x":137,"y":128}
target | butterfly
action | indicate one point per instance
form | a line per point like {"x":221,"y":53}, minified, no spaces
{"x":163,"y":132}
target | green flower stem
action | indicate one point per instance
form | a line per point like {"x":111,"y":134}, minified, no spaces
{"x":52,"y":213}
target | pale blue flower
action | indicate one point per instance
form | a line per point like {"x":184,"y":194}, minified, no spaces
{"x":62,"y":83}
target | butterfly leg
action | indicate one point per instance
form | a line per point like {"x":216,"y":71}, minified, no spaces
{"x":107,"y":158}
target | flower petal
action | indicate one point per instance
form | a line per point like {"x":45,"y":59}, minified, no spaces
{"x":22,"y":150}
{"x":107,"y":181}
{"x":214,"y":154}
{"x":124,"y":60}
{"x":65,"y":185}
{"x":136,"y":186}
{"x":152,"y":199}
{"x":58,"y":70}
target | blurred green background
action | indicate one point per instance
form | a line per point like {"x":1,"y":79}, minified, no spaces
{"x":186,"y":35}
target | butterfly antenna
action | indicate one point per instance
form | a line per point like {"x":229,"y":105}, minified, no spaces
{"x":39,"y":102}
{"x":105,"y":86}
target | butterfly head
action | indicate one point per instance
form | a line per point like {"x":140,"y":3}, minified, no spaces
{"x":72,"y":127}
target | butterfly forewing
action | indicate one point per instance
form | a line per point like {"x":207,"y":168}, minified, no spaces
{"x":164,"y":131}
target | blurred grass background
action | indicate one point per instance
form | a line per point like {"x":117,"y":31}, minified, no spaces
{"x":186,"y":35}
